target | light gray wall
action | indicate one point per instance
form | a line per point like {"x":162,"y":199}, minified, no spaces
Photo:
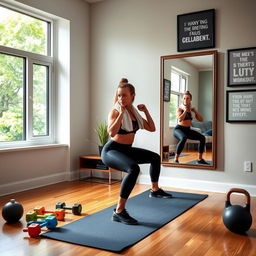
{"x":127,"y":40}
{"x":205,"y":94}
{"x":28,"y":168}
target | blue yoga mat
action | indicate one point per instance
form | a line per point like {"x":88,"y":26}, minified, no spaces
{"x":195,"y":162}
{"x":99,"y":231}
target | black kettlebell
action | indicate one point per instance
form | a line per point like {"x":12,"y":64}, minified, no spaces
{"x":12,"y":211}
{"x":237,"y":218}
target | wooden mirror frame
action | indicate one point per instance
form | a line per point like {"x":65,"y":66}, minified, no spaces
{"x":214,"y":54}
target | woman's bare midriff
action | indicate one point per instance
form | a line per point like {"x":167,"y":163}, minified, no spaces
{"x":186,"y":123}
{"x":124,"y":138}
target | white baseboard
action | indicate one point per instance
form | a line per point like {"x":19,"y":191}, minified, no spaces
{"x":201,"y":185}
{"x":74,"y":175}
{"x":23,"y":185}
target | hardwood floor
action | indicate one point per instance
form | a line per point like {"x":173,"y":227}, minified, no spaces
{"x":197,"y":232}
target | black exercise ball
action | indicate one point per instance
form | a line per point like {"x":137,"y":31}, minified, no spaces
{"x":12,"y":211}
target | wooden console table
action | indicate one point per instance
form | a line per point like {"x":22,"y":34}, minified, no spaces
{"x":94,"y":163}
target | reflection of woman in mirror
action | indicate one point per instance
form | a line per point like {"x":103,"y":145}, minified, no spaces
{"x":183,"y":129}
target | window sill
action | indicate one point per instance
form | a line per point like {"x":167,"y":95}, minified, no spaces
{"x":2,"y":150}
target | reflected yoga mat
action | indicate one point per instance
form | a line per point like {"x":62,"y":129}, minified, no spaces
{"x":99,"y":231}
{"x":195,"y":162}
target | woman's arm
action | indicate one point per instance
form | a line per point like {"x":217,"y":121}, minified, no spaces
{"x":114,"y":121}
{"x":149,"y":124}
{"x":181,"y":114}
{"x":199,"y":117}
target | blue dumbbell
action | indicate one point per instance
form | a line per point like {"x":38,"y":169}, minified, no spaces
{"x":49,"y":222}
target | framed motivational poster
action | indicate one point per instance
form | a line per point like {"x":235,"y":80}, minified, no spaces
{"x":196,"y":30}
{"x":167,"y":90}
{"x":241,"y":106}
{"x":242,"y":67}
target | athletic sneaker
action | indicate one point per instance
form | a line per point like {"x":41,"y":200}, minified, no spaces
{"x":159,"y":193}
{"x":124,"y":218}
{"x":202,"y":161}
{"x":176,"y":161}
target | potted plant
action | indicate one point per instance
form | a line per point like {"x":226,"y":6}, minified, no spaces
{"x":102,"y":133}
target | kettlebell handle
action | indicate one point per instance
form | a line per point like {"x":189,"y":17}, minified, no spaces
{"x":239,"y":190}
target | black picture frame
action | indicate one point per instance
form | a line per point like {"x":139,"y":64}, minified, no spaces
{"x":196,"y":30}
{"x":241,"y":67}
{"x":241,"y":106}
{"x":167,"y":90}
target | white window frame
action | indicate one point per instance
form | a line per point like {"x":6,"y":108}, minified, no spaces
{"x":184,"y":75}
{"x":45,"y":60}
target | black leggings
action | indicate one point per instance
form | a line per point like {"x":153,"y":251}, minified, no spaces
{"x":182,"y":133}
{"x":126,"y":158}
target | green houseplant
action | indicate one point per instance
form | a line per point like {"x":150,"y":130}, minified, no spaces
{"x":102,"y":133}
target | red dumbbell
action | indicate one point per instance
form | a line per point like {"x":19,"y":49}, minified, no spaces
{"x":34,"y":227}
{"x":60,"y":213}
{"x":33,"y":230}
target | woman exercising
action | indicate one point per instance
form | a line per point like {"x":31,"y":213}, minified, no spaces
{"x":123,"y":122}
{"x":183,"y":129}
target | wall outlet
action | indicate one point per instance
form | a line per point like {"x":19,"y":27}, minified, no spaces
{"x":247,"y":166}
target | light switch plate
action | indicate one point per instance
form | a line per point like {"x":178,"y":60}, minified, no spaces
{"x":247,"y":166}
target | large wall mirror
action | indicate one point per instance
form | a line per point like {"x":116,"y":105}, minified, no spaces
{"x":194,"y":72}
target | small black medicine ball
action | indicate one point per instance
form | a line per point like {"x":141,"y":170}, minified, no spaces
{"x":12,"y":211}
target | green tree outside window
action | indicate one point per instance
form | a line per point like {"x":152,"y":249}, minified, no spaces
{"x":29,"y":34}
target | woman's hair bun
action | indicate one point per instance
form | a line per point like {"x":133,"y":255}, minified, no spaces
{"x":124,"y":81}
{"x":188,"y":93}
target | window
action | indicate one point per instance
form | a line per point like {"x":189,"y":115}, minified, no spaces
{"x":40,"y":100}
{"x":24,"y":32}
{"x":178,"y":87}
{"x":26,"y":87}
{"x":12,"y":80}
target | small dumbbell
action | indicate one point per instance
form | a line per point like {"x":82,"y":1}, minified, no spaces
{"x":34,"y":227}
{"x":33,"y":230}
{"x":76,"y":208}
{"x":30,"y":216}
{"x":49,"y":222}
{"x":59,"y":213}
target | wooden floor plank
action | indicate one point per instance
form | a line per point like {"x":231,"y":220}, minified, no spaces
{"x":197,"y":232}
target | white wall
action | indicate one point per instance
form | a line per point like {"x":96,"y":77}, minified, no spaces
{"x":127,"y":40}
{"x":24,"y":169}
